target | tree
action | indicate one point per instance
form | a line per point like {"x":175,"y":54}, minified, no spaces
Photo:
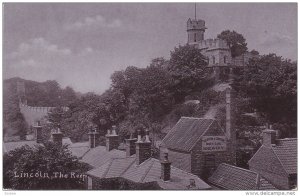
{"x":187,"y":67}
{"x":38,"y":168}
{"x":236,"y":42}
{"x":270,"y":84}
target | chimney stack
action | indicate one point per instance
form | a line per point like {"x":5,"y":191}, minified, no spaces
{"x":269,"y":137}
{"x":57,"y":137}
{"x":143,"y":148}
{"x":228,"y":113}
{"x":93,"y":138}
{"x":112,"y":139}
{"x":165,"y":168}
{"x":130,"y":146}
{"x":38,"y":132}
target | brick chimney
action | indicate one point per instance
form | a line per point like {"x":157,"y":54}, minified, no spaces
{"x":269,"y":137}
{"x":57,"y":136}
{"x":130,"y":146}
{"x":165,"y":168}
{"x":112,"y":139}
{"x":93,"y":138}
{"x":143,"y":148}
{"x":38,"y":132}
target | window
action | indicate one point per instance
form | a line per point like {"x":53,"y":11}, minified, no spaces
{"x":195,"y":37}
{"x":225,"y":59}
{"x":214,"y":59}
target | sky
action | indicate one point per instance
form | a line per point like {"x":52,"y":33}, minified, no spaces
{"x":81,"y":44}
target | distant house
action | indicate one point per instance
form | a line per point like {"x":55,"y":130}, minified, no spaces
{"x":230,"y":177}
{"x":197,"y":145}
{"x":276,"y":160}
{"x":141,"y":172}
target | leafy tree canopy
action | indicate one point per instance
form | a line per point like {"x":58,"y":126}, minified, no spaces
{"x":47,"y":160}
{"x":236,"y":42}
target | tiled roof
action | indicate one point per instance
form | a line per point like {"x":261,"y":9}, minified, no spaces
{"x":9,"y":146}
{"x":186,"y":133}
{"x":234,"y":178}
{"x":286,"y":151}
{"x":148,"y":171}
{"x":94,"y":156}
{"x":265,"y":185}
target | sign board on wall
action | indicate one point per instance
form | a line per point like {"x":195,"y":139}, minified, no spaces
{"x":213,"y":143}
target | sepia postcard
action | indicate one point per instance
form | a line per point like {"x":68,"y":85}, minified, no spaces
{"x":150,"y":96}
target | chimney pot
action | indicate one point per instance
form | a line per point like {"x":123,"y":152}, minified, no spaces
{"x":269,"y":137}
{"x":130,"y":146}
{"x":93,"y":138}
{"x":165,"y":168}
{"x":57,"y":136}
{"x":114,"y":132}
{"x":38,"y":132}
{"x":143,"y":150}
{"x":147,"y":136}
{"x":112,"y":140}
{"x":139,"y":136}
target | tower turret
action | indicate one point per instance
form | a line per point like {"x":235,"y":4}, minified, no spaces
{"x":195,"y":30}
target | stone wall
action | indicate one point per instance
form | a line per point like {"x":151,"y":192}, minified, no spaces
{"x":34,"y":114}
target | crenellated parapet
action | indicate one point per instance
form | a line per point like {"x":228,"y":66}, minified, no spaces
{"x":33,"y":114}
{"x":211,"y":44}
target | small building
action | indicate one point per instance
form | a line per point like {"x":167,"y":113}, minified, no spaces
{"x":138,"y":171}
{"x":197,"y":145}
{"x":276,"y":160}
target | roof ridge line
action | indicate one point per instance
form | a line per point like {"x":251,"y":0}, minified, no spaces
{"x":85,"y":153}
{"x":147,"y":171}
{"x":199,"y":118}
{"x":127,"y":167}
{"x":105,"y":173}
{"x":248,"y":170}
{"x":279,"y":160}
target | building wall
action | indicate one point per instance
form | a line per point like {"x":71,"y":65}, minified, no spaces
{"x":34,"y":114}
{"x":181,"y":160}
{"x":218,"y":55}
{"x":268,"y":166}
{"x":201,"y":160}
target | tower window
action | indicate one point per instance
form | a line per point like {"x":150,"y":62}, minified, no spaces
{"x":214,"y":59}
{"x":225,"y":59}
{"x":195,"y":37}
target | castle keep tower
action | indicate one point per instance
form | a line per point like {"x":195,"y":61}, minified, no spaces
{"x":195,"y":29}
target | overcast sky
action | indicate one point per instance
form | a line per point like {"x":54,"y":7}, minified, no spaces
{"x":80,"y":45}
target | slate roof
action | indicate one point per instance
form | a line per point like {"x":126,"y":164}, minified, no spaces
{"x":230,"y":177}
{"x":9,"y":146}
{"x":148,"y":171}
{"x":94,"y":156}
{"x":79,"y":149}
{"x":286,"y":151}
{"x":186,"y":133}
